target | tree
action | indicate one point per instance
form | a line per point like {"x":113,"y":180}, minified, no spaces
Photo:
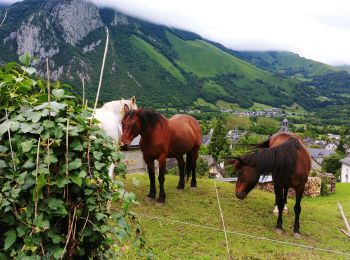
{"x":332,"y":163}
{"x":219,"y":145}
{"x":340,"y":148}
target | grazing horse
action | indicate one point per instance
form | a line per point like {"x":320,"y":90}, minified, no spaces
{"x":110,"y":116}
{"x":285,"y":157}
{"x":163,"y":138}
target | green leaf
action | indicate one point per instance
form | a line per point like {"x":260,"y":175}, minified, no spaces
{"x":48,"y":124}
{"x":25,"y":59}
{"x":99,"y":165}
{"x":3,"y":164}
{"x":76,"y":179}
{"x":27,"y":146}
{"x":21,"y":230}
{"x":76,"y":164}
{"x":29,"y":70}
{"x":33,"y":116}
{"x":10,"y":238}
{"x":50,"y":158}
{"x":58,"y":93}
{"x":100,"y":216}
{"x":29,"y":164}
{"x":97,"y":155}
{"x":76,"y":145}
{"x":57,"y":206}
{"x":58,"y":252}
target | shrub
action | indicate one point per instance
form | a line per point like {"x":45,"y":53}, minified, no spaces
{"x":324,"y":188}
{"x":54,"y":176}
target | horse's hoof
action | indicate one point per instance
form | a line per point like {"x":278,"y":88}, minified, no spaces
{"x":297,"y":235}
{"x":179,"y":190}
{"x":160,"y":204}
{"x":279,"y":231}
{"x":149,"y":199}
{"x":193,"y":188}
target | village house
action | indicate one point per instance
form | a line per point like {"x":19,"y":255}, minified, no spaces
{"x":319,"y":154}
{"x":331,"y":146}
{"x":345,"y":170}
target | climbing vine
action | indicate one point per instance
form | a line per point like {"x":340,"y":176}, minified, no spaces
{"x":54,"y":186}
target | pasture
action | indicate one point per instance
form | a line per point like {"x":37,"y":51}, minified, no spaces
{"x":320,"y":223}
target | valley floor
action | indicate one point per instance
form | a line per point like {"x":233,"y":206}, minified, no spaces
{"x":168,"y":233}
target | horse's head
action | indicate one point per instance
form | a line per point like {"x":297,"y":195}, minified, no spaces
{"x":247,"y":178}
{"x":131,"y":103}
{"x":131,"y":125}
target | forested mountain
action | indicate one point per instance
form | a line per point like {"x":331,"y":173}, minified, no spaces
{"x":163,"y":67}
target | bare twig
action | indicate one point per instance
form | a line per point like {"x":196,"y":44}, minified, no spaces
{"x":69,"y":233}
{"x":67,"y":161}
{"x":9,"y":134}
{"x":83,"y":80}
{"x":223,"y":223}
{"x":345,"y":221}
{"x":101,"y":76}
{"x":3,"y":20}
{"x":48,"y":85}
{"x":36,"y":180}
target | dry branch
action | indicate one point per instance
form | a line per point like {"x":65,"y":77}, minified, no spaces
{"x":223,"y":223}
{"x":101,"y":76}
{"x":345,"y":221}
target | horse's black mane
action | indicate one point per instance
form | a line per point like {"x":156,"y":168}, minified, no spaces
{"x":277,"y":160}
{"x":149,"y":118}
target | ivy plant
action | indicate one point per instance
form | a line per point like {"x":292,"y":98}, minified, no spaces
{"x":55,"y":193}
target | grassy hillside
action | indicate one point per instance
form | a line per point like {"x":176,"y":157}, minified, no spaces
{"x":286,"y":63}
{"x":157,"y":57}
{"x":320,"y":223}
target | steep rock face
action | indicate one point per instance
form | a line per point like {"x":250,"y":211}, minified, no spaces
{"x":77,"y":18}
{"x":30,"y":37}
{"x":119,"y":19}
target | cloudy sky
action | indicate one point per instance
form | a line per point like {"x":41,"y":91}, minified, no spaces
{"x":316,"y":29}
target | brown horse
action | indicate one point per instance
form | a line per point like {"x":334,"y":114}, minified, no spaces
{"x":163,"y":138}
{"x":285,"y":157}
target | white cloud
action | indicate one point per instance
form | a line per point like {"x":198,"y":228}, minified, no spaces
{"x":316,"y":29}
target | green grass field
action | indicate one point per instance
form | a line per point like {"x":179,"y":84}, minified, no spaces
{"x":320,"y":223}
{"x":157,"y":57}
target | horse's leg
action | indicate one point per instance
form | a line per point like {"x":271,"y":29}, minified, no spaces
{"x":285,"y":209}
{"x":188,"y":166}
{"x":280,"y":204}
{"x":194,"y":158}
{"x":152,"y":178}
{"x":297,"y":209}
{"x":161,"y":179}
{"x":181,"y":163}
{"x":275,"y":210}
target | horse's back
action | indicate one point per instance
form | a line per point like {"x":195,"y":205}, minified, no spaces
{"x":185,"y":135}
{"x":185,"y":125}
{"x":108,"y":122}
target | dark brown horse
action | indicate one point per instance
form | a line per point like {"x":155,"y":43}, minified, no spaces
{"x":285,"y":157}
{"x":163,"y":138}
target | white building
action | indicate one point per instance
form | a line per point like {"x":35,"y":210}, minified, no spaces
{"x":345,"y":170}
{"x":331,"y":146}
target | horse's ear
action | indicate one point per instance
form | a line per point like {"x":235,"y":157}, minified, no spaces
{"x":140,"y":110}
{"x":126,"y":108}
{"x":133,"y":100}
{"x":236,"y":161}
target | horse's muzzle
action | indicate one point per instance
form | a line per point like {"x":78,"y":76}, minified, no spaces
{"x":241,"y":195}
{"x":124,"y":147}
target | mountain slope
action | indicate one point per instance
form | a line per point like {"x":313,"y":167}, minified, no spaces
{"x":163,"y":67}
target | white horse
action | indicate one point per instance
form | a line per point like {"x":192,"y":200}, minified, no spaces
{"x":110,"y":116}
